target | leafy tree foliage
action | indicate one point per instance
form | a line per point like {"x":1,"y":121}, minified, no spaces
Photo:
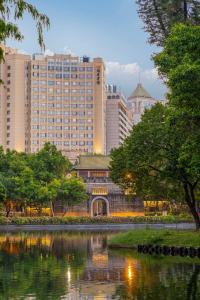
{"x":159,"y":16}
{"x":13,"y":11}
{"x":38,"y":179}
{"x":163,"y":150}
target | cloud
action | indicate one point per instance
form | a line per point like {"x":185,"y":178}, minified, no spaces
{"x":68,"y":50}
{"x":127,"y":76}
{"x":113,"y":67}
{"x":48,"y":52}
{"x":21,"y":51}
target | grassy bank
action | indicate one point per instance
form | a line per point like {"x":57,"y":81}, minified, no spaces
{"x":88,"y":220}
{"x":161,"y":237}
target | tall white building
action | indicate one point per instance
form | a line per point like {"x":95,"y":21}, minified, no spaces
{"x":118,"y":119}
{"x":138,"y":101}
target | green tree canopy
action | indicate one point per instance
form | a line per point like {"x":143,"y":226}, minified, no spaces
{"x":38,"y":179}
{"x":163,"y":150}
{"x":11,"y":12}
{"x":159,"y":16}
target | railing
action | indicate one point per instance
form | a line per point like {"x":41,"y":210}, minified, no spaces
{"x":97,"y":180}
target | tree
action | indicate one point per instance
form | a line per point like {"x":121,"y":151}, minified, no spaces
{"x":15,"y":10}
{"x":119,"y":173}
{"x":154,"y":153}
{"x":164,"y":149}
{"x":70,"y":191}
{"x":49,"y":164}
{"x":159,"y":16}
{"x":12,"y":166}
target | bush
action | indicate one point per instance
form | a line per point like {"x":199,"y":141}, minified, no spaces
{"x":89,"y":220}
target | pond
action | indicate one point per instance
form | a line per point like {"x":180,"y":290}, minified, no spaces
{"x":73,"y":266}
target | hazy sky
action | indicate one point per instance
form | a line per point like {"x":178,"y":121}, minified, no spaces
{"x":99,"y":28}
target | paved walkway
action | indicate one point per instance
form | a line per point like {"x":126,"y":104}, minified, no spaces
{"x":93,"y":227}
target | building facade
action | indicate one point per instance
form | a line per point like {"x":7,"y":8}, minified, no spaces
{"x":14,"y":100}
{"x":104,"y":197}
{"x":60,"y":99}
{"x":118,"y":119}
{"x":139,"y":101}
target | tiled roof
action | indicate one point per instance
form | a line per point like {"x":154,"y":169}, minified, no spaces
{"x":140,"y":92}
{"x":95,"y":162}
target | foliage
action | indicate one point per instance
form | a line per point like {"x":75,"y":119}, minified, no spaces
{"x":163,"y":150}
{"x":13,"y":11}
{"x":159,"y":16}
{"x":38,"y":179}
{"x":90,"y":220}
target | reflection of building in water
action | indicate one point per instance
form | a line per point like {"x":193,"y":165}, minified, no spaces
{"x":104,"y":271}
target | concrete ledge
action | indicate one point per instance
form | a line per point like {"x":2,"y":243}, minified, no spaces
{"x":94,"y":227}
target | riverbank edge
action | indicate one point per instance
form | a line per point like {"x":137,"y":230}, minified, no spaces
{"x":151,"y":237}
{"x":95,"y":227}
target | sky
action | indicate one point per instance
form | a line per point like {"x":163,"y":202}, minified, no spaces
{"x":110,"y":29}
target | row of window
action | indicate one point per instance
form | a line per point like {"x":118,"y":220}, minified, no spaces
{"x":59,"y":105}
{"x":64,"y":83}
{"x":60,"y":135}
{"x":62,"y":68}
{"x":57,"y":128}
{"x":60,"y":91}
{"x":60,"y":120}
{"x":62,"y":75}
{"x":62,"y":113}
{"x":64,"y":98}
{"x":66,"y":143}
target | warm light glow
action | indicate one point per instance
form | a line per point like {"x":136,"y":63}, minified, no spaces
{"x":68,"y":275}
{"x":69,"y":175}
{"x":130,"y":274}
{"x":99,"y":191}
{"x":128,"y":214}
{"x":100,"y":259}
{"x":154,"y":203}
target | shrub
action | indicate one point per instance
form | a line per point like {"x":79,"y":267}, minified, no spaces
{"x":44,"y":220}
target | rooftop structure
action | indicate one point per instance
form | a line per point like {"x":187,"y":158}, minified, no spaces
{"x":139,"y":101}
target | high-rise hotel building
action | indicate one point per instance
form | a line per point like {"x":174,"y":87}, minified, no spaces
{"x":60,"y":99}
{"x":14,"y":100}
{"x":118,"y":119}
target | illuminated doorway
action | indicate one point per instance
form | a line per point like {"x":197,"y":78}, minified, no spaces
{"x":99,"y":207}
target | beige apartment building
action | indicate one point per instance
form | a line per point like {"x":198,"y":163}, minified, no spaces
{"x":118,"y":119}
{"x":60,"y":99}
{"x":14,"y":100}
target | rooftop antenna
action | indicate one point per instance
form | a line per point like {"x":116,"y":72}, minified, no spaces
{"x":139,"y":77}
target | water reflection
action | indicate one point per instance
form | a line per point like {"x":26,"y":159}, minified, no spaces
{"x":76,"y":266}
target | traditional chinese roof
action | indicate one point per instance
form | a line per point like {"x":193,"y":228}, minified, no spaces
{"x":95,"y":162}
{"x":140,"y":92}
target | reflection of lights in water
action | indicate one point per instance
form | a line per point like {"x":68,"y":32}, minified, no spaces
{"x":131,"y":271}
{"x":130,"y":274}
{"x":69,"y":275}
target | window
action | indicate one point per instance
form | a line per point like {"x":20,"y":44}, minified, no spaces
{"x":43,"y":75}
{"x":89,"y":91}
{"x":43,"y":67}
{"x":59,"y":76}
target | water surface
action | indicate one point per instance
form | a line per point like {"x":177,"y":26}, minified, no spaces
{"x":73,"y":266}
